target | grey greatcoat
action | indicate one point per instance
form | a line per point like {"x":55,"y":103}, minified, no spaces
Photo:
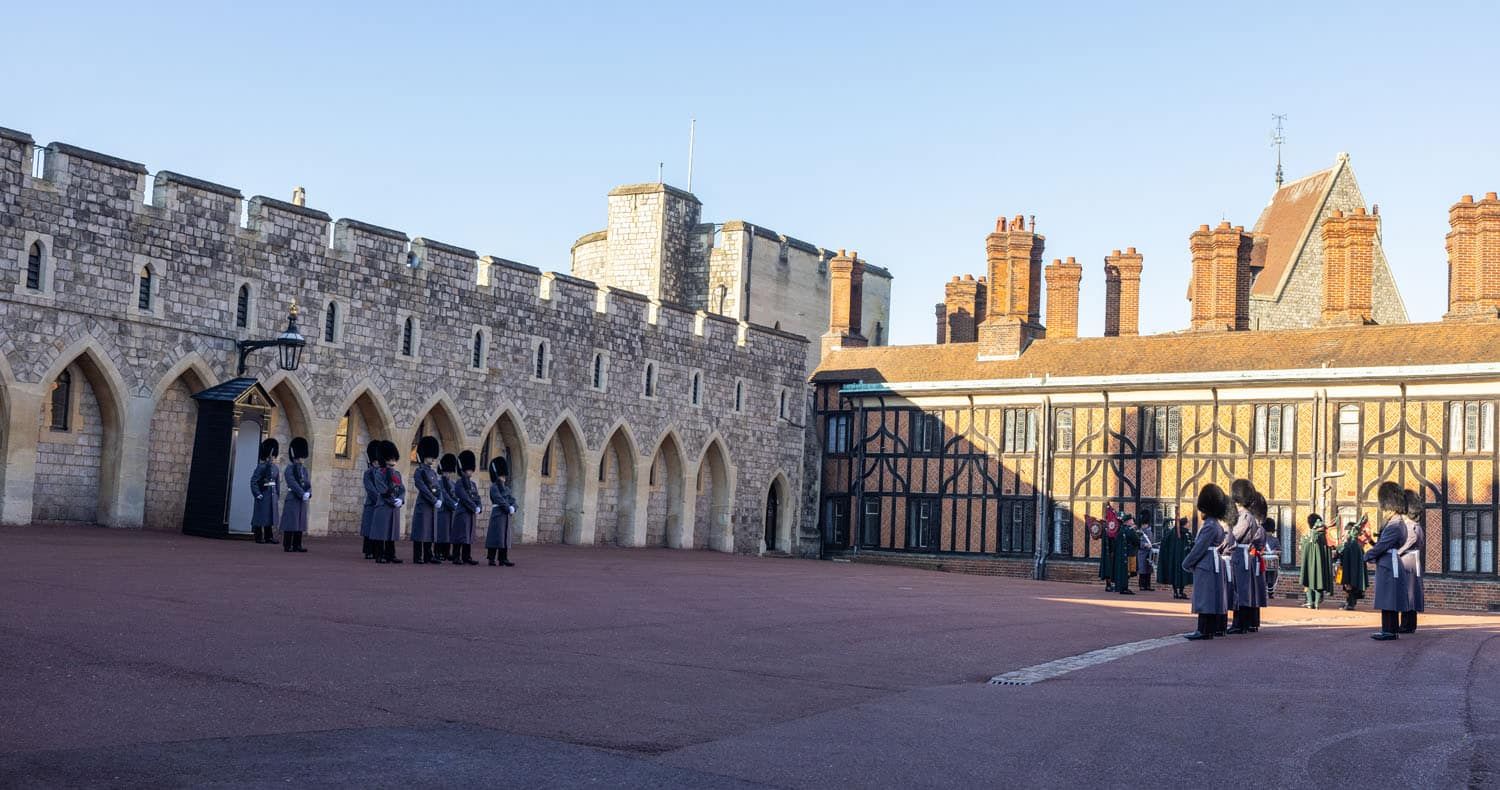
{"x":1390,"y":594}
{"x":372,"y":496}
{"x":385,"y":521}
{"x":1250,"y":539}
{"x":501,"y":505}
{"x":294,"y":509}
{"x":1226,"y":554}
{"x":425,"y":480}
{"x":263,"y":483}
{"x":444,"y":520}
{"x":1206,"y":565}
{"x":1411,"y":566}
{"x":462,"y":529}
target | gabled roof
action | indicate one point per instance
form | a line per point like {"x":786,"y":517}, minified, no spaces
{"x":1352,"y":347}
{"x":239,"y":390}
{"x":1287,"y":222}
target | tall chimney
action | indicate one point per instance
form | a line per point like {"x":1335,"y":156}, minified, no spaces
{"x":1221,"y":277}
{"x":1013,"y":308}
{"x":1349,"y":267}
{"x":1122,"y":293}
{"x":1474,"y":258}
{"x":846,"y":273}
{"x":1062,"y":297}
{"x":965,"y":299}
{"x":941,"y":309}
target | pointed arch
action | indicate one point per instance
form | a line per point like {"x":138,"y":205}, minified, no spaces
{"x":194,"y":364}
{"x":293,"y":415}
{"x":369,"y":419}
{"x":667,"y":494}
{"x":561,"y":506}
{"x":369,"y":398}
{"x":88,"y":456}
{"x":615,"y":513}
{"x":174,"y":426}
{"x":441,"y":418}
{"x":504,"y":436}
{"x":777,"y":519}
{"x":713,"y":482}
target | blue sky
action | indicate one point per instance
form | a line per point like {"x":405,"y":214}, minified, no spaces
{"x":900,"y":130}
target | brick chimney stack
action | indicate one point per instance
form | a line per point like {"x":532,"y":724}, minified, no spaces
{"x":965,"y":299}
{"x":1062,"y":297}
{"x":1474,"y":258}
{"x":1221,"y":277}
{"x":846,"y":274}
{"x":941,"y":309}
{"x":1013,"y":308}
{"x":1122,"y":293}
{"x":1349,"y":267}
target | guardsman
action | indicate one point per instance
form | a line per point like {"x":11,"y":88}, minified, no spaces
{"x":462,"y":530}
{"x":264,"y":482}
{"x":298,"y":492}
{"x":429,"y":499}
{"x":1143,"y":557}
{"x":1241,"y":555}
{"x":502,"y":507}
{"x":385,"y":522}
{"x":374,"y":461}
{"x":1206,"y":564}
{"x":1175,"y":543}
{"x":447,"y":481}
{"x":1390,"y":593}
{"x":1411,"y":563}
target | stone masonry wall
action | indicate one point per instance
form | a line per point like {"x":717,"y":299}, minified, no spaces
{"x":89,"y":209}
{"x":70,"y":490}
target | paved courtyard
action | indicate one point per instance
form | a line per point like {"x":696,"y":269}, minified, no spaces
{"x":133,"y":659}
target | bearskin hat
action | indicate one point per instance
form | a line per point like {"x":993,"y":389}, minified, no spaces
{"x":269,"y":448}
{"x":389,"y":451}
{"x":1313,"y":520}
{"x":467,"y":461}
{"x":1257,"y":506}
{"x":1392,"y":498}
{"x":298,"y":448}
{"x":499,"y":468}
{"x":1212,"y":502}
{"x":428,"y":447}
{"x":448,"y":464}
{"x":1413,"y":505}
{"x":375,"y":451}
{"x":1240,"y":492}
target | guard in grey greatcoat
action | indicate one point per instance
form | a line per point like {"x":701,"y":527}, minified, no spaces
{"x":462,"y":528}
{"x":1411,"y":563}
{"x":1207,"y":565}
{"x":1244,"y":565}
{"x":298,"y":492}
{"x":447,"y":480}
{"x":374,"y":461}
{"x":429,"y":502}
{"x":264,"y":482}
{"x":502,"y":507}
{"x":1390,"y":594}
{"x":385,"y":522}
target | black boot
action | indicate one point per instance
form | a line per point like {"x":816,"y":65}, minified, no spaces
{"x":286,"y":541}
{"x":456,"y":554}
{"x":427,"y":553}
{"x":1241,"y":621}
{"x":390,"y":553}
{"x":1205,"y":628}
{"x":442,"y":552}
{"x":416,"y":553}
{"x":505,"y":558}
{"x":1221,"y":624}
{"x":369,"y":555}
{"x":270,"y":536}
{"x":489,"y":554}
{"x":1407,"y":623}
{"x":1390,"y":624}
{"x":260,"y":535}
{"x":468,"y":558}
{"x":297,"y":543}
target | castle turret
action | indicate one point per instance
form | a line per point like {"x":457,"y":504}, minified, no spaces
{"x":651,"y":234}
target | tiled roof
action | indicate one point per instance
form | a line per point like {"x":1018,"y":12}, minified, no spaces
{"x":1285,"y":224}
{"x":1438,"y":343}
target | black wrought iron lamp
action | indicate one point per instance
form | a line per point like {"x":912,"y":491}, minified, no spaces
{"x":289,"y":344}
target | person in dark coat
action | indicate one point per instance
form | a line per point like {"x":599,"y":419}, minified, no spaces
{"x":1244,"y":559}
{"x":1143,"y":557}
{"x":263,"y":484}
{"x":1127,"y":545}
{"x":1175,"y":543}
{"x":1390,"y":594}
{"x":1354,"y":577}
{"x":429,"y":499}
{"x":462,"y":529}
{"x":1316,"y":576}
{"x":1206,"y":564}
{"x":374,"y":461}
{"x":385,"y":522}
{"x":447,"y":483}
{"x":298,"y":492}
{"x":502,"y":507}
{"x":1106,"y":553}
{"x":1272,"y":557}
{"x":1411,"y":563}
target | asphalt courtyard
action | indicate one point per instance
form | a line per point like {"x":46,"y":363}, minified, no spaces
{"x":132,"y":659}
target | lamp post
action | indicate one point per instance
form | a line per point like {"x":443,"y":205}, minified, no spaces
{"x":289,"y":343}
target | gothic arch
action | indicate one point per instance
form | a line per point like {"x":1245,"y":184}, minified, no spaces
{"x":714,"y":489}
{"x":174,"y":426}
{"x":777,"y":519}
{"x":561,"y":507}
{"x":65,"y":452}
{"x":370,"y":419}
{"x":504,"y":436}
{"x":193,"y":363}
{"x":374,"y":406}
{"x":615,"y":513}
{"x":442,"y":421}
{"x":293,"y":415}
{"x":666,"y":496}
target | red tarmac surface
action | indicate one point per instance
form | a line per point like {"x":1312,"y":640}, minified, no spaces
{"x":154,"y":660}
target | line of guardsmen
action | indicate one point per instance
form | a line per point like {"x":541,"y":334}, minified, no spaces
{"x":1231,"y":560}
{"x":442,"y":520}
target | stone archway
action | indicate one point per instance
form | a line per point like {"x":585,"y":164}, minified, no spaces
{"x":713,"y":514}
{"x":664,"y":503}
{"x":439,"y":420}
{"x":81,"y":450}
{"x":777,"y":528}
{"x":291,"y":417}
{"x":503,"y":439}
{"x":174,"y":425}
{"x":615,"y":514}
{"x":363,"y":419}
{"x":560,"y":506}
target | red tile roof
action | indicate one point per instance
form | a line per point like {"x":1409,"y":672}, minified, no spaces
{"x":1285,"y":225}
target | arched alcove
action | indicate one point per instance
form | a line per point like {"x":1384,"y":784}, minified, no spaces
{"x":561,"y":507}
{"x":503,"y":439}
{"x":614,"y":518}
{"x":79,"y":439}
{"x":714,"y":527}
{"x":664,"y":504}
{"x":174,"y":425}
{"x":368,"y":419}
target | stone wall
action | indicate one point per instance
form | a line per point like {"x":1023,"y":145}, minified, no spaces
{"x":173,"y":427}
{"x":89,"y":207}
{"x":69,"y":489}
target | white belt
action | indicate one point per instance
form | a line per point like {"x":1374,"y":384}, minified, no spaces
{"x":1395,"y":565}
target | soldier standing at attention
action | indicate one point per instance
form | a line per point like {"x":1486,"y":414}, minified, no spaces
{"x":263,"y":482}
{"x":1206,"y":564}
{"x":1390,"y":594}
{"x":462,"y":530}
{"x":443,"y":537}
{"x":1240,"y":555}
{"x":374,"y":461}
{"x":298,"y":492}
{"x":1411,"y":563}
{"x":429,"y":498}
{"x":385,"y":522}
{"x":502,"y":507}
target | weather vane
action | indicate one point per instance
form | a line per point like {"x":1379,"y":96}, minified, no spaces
{"x":1278,"y":137}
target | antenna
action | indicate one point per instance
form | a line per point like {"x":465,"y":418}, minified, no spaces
{"x":1278,"y":138}
{"x":659,"y":166}
{"x":692,"y":131}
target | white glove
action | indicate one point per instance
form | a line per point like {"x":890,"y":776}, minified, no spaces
{"x":511,"y":509}
{"x":257,"y":497}
{"x":400,"y":502}
{"x":306,"y":497}
{"x":438,"y":504}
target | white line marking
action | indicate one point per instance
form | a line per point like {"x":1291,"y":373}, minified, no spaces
{"x":1062,"y":666}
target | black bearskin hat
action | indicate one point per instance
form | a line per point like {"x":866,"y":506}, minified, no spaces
{"x":499,"y":468}
{"x":467,"y":461}
{"x":1314,"y":520}
{"x":269,"y":448}
{"x":389,"y":451}
{"x":1212,"y":503}
{"x":1240,"y":492}
{"x":298,"y":448}
{"x":1257,"y":506}
{"x":375,"y":451}
{"x":1392,"y":498}
{"x":448,"y":464}
{"x":428,"y":447}
{"x":1413,"y":505}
